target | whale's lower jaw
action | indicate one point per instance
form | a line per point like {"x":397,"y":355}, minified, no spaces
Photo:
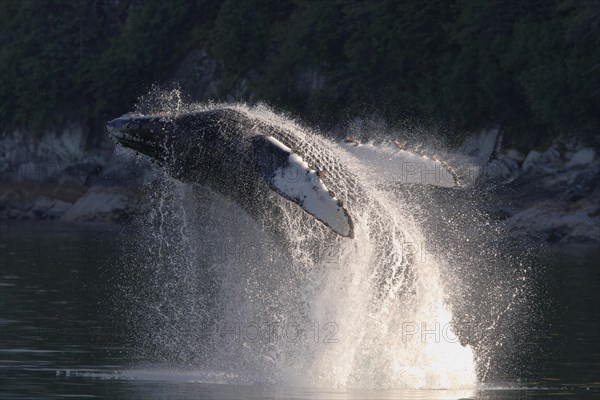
{"x":146,"y":149}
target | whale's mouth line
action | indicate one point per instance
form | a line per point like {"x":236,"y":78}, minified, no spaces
{"x":139,"y":146}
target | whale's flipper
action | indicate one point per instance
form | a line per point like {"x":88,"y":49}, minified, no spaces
{"x":291,"y":177}
{"x":392,"y":163}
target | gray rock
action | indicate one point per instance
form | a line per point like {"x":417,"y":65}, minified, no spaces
{"x":41,"y":205}
{"x":555,"y":204}
{"x":50,"y":158}
{"x":557,"y":221}
{"x":581,"y":158}
{"x":47,"y":208}
{"x":99,"y":203}
{"x":14,"y":214}
{"x":550,"y":158}
{"x":531,"y":160}
{"x":58,"y":209}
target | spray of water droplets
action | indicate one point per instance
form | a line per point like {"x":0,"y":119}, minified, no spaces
{"x":216,"y":292}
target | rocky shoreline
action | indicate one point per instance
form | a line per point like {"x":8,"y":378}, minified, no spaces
{"x":552,"y":196}
{"x":556,"y":201}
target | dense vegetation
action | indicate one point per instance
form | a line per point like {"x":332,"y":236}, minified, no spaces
{"x":531,"y":66}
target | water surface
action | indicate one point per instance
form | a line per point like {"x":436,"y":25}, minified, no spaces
{"x":63,"y":334}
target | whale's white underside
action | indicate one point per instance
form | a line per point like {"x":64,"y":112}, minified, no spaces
{"x":296,"y":181}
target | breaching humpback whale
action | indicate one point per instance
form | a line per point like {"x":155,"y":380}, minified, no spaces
{"x":248,"y":160}
{"x":265,"y":166}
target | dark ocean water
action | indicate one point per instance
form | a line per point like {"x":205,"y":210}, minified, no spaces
{"x":62,"y":332}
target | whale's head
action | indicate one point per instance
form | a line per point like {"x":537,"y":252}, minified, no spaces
{"x":199,"y":147}
{"x":163,"y":140}
{"x":149,"y":135}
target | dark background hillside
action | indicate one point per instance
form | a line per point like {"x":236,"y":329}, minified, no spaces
{"x":532,"y":67}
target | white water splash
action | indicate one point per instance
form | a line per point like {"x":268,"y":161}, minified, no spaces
{"x":226,"y":296}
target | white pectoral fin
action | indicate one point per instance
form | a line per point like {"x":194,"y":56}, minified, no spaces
{"x":291,"y":177}
{"x":388,"y":163}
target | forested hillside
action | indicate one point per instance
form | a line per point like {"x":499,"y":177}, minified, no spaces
{"x":531,"y":66}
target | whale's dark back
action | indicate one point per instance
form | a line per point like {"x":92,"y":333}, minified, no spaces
{"x":213,"y":149}
{"x":225,"y":136}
